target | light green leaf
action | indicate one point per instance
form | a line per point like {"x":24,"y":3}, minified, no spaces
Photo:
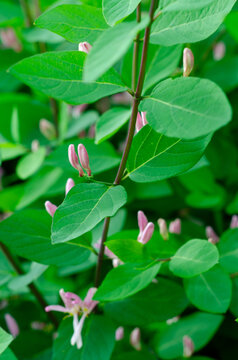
{"x":59,"y":74}
{"x":30,"y":163}
{"x":83,"y":208}
{"x":161,"y":64}
{"x":126,"y":280}
{"x":114,"y":10}
{"x":8,"y":355}
{"x":200,"y":327}
{"x":81,"y":122}
{"x":184,"y":5}
{"x":120,"y":243}
{"x":210,"y":291}
{"x":110,"y":47}
{"x":110,"y":122}
{"x":76,"y":23}
{"x":187,"y":107}
{"x":11,"y":151}
{"x":155,"y":157}
{"x":153,"y":304}
{"x":228,"y":250}
{"x":193,"y":258}
{"x":24,"y":241}
{"x":187,"y":24}
{"x":15,"y":126}
{"x":36,"y":270}
{"x":5,"y":340}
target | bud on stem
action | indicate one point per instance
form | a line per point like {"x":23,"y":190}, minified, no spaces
{"x":188,"y":62}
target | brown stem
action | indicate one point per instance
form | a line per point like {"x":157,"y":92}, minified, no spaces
{"x":27,"y":12}
{"x":31,"y":286}
{"x":130,"y":134}
{"x":136,"y":51}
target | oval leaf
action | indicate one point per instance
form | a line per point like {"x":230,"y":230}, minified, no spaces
{"x":59,"y":74}
{"x":187,"y":107}
{"x":210,"y":291}
{"x":76,"y":23}
{"x":83,"y":208}
{"x":193,"y":258}
{"x":114,"y":10}
{"x":125,"y":280}
{"x":154,"y":156}
{"x":30,"y":163}
{"x":188,"y":22}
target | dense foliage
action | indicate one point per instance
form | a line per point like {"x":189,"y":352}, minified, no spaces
{"x":118,"y":179}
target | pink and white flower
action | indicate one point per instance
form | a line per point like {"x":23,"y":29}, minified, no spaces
{"x":84,"y":47}
{"x":75,"y":307}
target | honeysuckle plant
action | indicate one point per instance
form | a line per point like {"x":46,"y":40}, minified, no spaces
{"x":118,"y":179}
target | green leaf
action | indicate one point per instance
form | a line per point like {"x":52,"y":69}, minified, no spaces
{"x":5,"y":340}
{"x":110,"y":122}
{"x":83,"y":208}
{"x":81,"y":122}
{"x":8,"y":355}
{"x":125,"y":280}
{"x":228,"y":250}
{"x":35,"y":271}
{"x":31,"y":239}
{"x":59,"y":74}
{"x":201,"y":327}
{"x":234,"y":300}
{"x":120,"y":243}
{"x":187,"y":107}
{"x":210,"y":291}
{"x":189,"y":23}
{"x":98,"y":333}
{"x":76,"y":23}
{"x":154,"y":156}
{"x":110,"y":47}
{"x":183,"y":5}
{"x":114,"y":10}
{"x":153,"y":304}
{"x":193,"y":258}
{"x":11,"y":151}
{"x":162,"y":62}
{"x":30,"y":163}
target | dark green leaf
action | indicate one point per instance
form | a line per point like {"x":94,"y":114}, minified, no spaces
{"x":228,"y":250}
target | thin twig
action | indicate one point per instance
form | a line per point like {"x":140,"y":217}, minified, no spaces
{"x":130,"y":134}
{"x":16,"y":266}
{"x":27,"y":13}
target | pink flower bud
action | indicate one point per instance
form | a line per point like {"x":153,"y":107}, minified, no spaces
{"x":47,"y":129}
{"x":119,"y":333}
{"x":234,"y":222}
{"x":12,"y":325}
{"x":163,"y":229}
{"x":142,"y":220}
{"x":84,"y":159}
{"x":84,"y":47}
{"x":9,"y":39}
{"x":135,"y":339}
{"x":35,"y":145}
{"x":140,"y":121}
{"x":50,"y":208}
{"x":175,"y":226}
{"x":211,"y":235}
{"x":143,"y":116}
{"x":73,"y":159}
{"x":219,"y":51}
{"x":70,"y":183}
{"x":147,"y":233}
{"x":188,"y":346}
{"x":188,"y":62}
{"x":76,"y":111}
